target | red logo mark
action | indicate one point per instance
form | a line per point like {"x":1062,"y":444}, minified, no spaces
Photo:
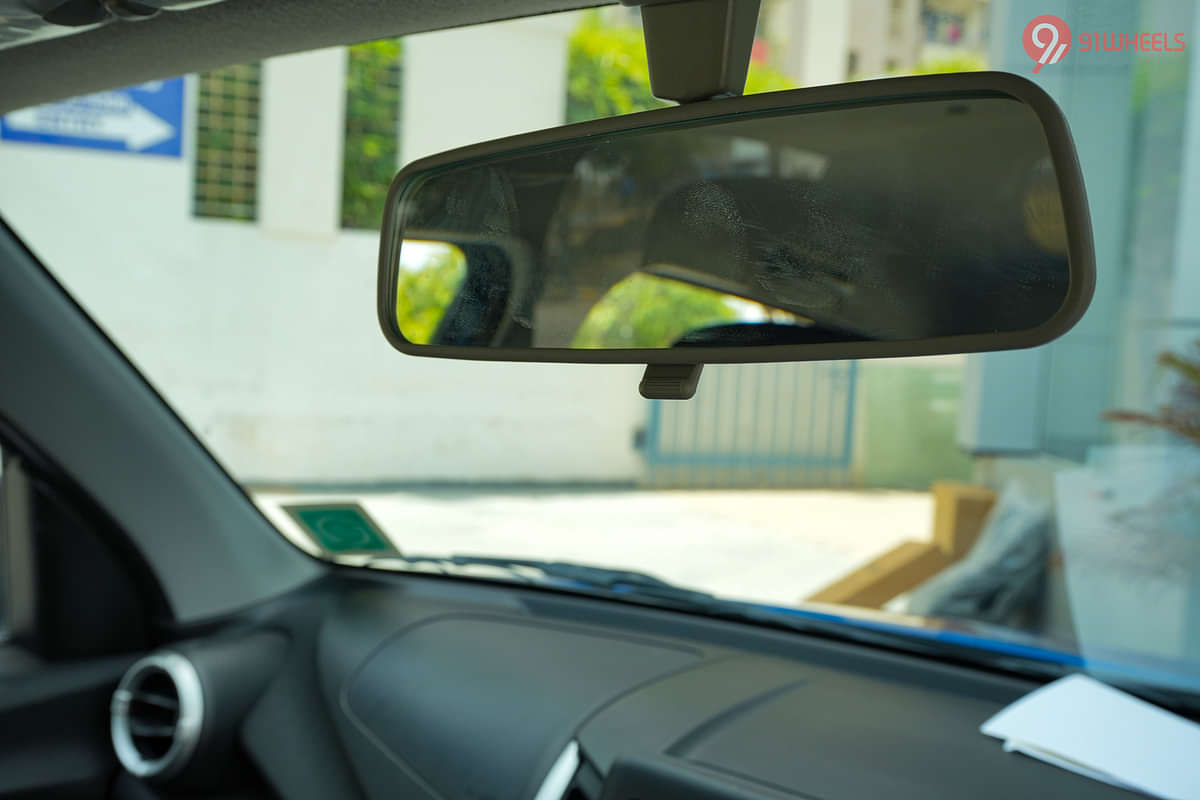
{"x":1047,"y":39}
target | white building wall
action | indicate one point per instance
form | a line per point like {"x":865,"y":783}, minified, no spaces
{"x":512,"y":80}
{"x":266,"y":342}
{"x":815,"y":50}
{"x":302,"y":124}
{"x":885,"y":36}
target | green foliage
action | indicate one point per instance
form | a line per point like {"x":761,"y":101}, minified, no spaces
{"x":648,"y":311}
{"x":607,"y":72}
{"x":1160,"y":78}
{"x":426,"y":289}
{"x":761,"y":79}
{"x":372,"y":144}
{"x":963,"y":61}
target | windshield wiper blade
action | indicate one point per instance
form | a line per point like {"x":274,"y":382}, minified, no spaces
{"x":597,"y":577}
{"x":641,"y":587}
{"x":645,"y":588}
{"x":619,"y":581}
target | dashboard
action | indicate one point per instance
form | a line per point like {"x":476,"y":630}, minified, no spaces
{"x":375,"y":685}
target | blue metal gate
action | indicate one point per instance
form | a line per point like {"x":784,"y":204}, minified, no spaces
{"x":756,"y":425}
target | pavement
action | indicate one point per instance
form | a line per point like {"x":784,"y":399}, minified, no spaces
{"x":768,"y":546}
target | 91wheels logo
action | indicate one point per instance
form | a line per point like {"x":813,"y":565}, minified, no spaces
{"x":1047,"y":39}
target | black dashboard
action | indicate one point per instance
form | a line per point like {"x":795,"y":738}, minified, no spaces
{"x":442,"y":689}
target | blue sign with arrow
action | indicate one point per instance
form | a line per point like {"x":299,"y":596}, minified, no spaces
{"x":147,"y":119}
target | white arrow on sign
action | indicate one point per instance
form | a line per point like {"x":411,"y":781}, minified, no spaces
{"x":109,"y":116}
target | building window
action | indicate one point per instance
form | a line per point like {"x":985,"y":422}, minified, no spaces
{"x":226,"y":179}
{"x":372,"y":143}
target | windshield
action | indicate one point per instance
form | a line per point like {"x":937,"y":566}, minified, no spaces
{"x":1040,"y":505}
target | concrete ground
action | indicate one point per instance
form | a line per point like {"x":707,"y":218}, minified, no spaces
{"x":773,"y":546}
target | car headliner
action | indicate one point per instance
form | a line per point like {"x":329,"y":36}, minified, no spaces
{"x":230,"y":32}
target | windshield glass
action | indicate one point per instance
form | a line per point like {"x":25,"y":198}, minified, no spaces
{"x":1040,"y":504}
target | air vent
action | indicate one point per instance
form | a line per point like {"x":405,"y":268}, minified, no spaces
{"x":157,"y":713}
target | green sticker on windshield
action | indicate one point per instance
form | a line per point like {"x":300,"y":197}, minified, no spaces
{"x":341,"y":527}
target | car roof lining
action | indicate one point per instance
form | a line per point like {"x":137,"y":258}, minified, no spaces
{"x":231,"y":32}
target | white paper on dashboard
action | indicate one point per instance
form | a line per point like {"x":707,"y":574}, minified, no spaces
{"x":1080,"y":724}
{"x":1050,"y":758}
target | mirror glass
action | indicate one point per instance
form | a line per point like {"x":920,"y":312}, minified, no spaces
{"x":891,"y":222}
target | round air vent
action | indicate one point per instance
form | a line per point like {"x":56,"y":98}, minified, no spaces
{"x":156,"y":714}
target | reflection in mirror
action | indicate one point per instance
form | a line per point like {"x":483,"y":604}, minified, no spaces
{"x":431,"y":275}
{"x":900,"y":221}
{"x":649,"y":311}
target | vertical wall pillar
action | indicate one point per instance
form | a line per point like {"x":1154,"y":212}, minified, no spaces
{"x":819,"y":35}
{"x":472,"y":84}
{"x":301,"y":128}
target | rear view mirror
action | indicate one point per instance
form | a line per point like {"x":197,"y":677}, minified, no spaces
{"x":901,"y":217}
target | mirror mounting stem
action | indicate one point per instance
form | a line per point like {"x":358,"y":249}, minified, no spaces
{"x":670,"y":381}
{"x":698,"y":49}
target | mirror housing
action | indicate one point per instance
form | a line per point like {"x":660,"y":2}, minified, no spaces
{"x":1047,"y":211}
